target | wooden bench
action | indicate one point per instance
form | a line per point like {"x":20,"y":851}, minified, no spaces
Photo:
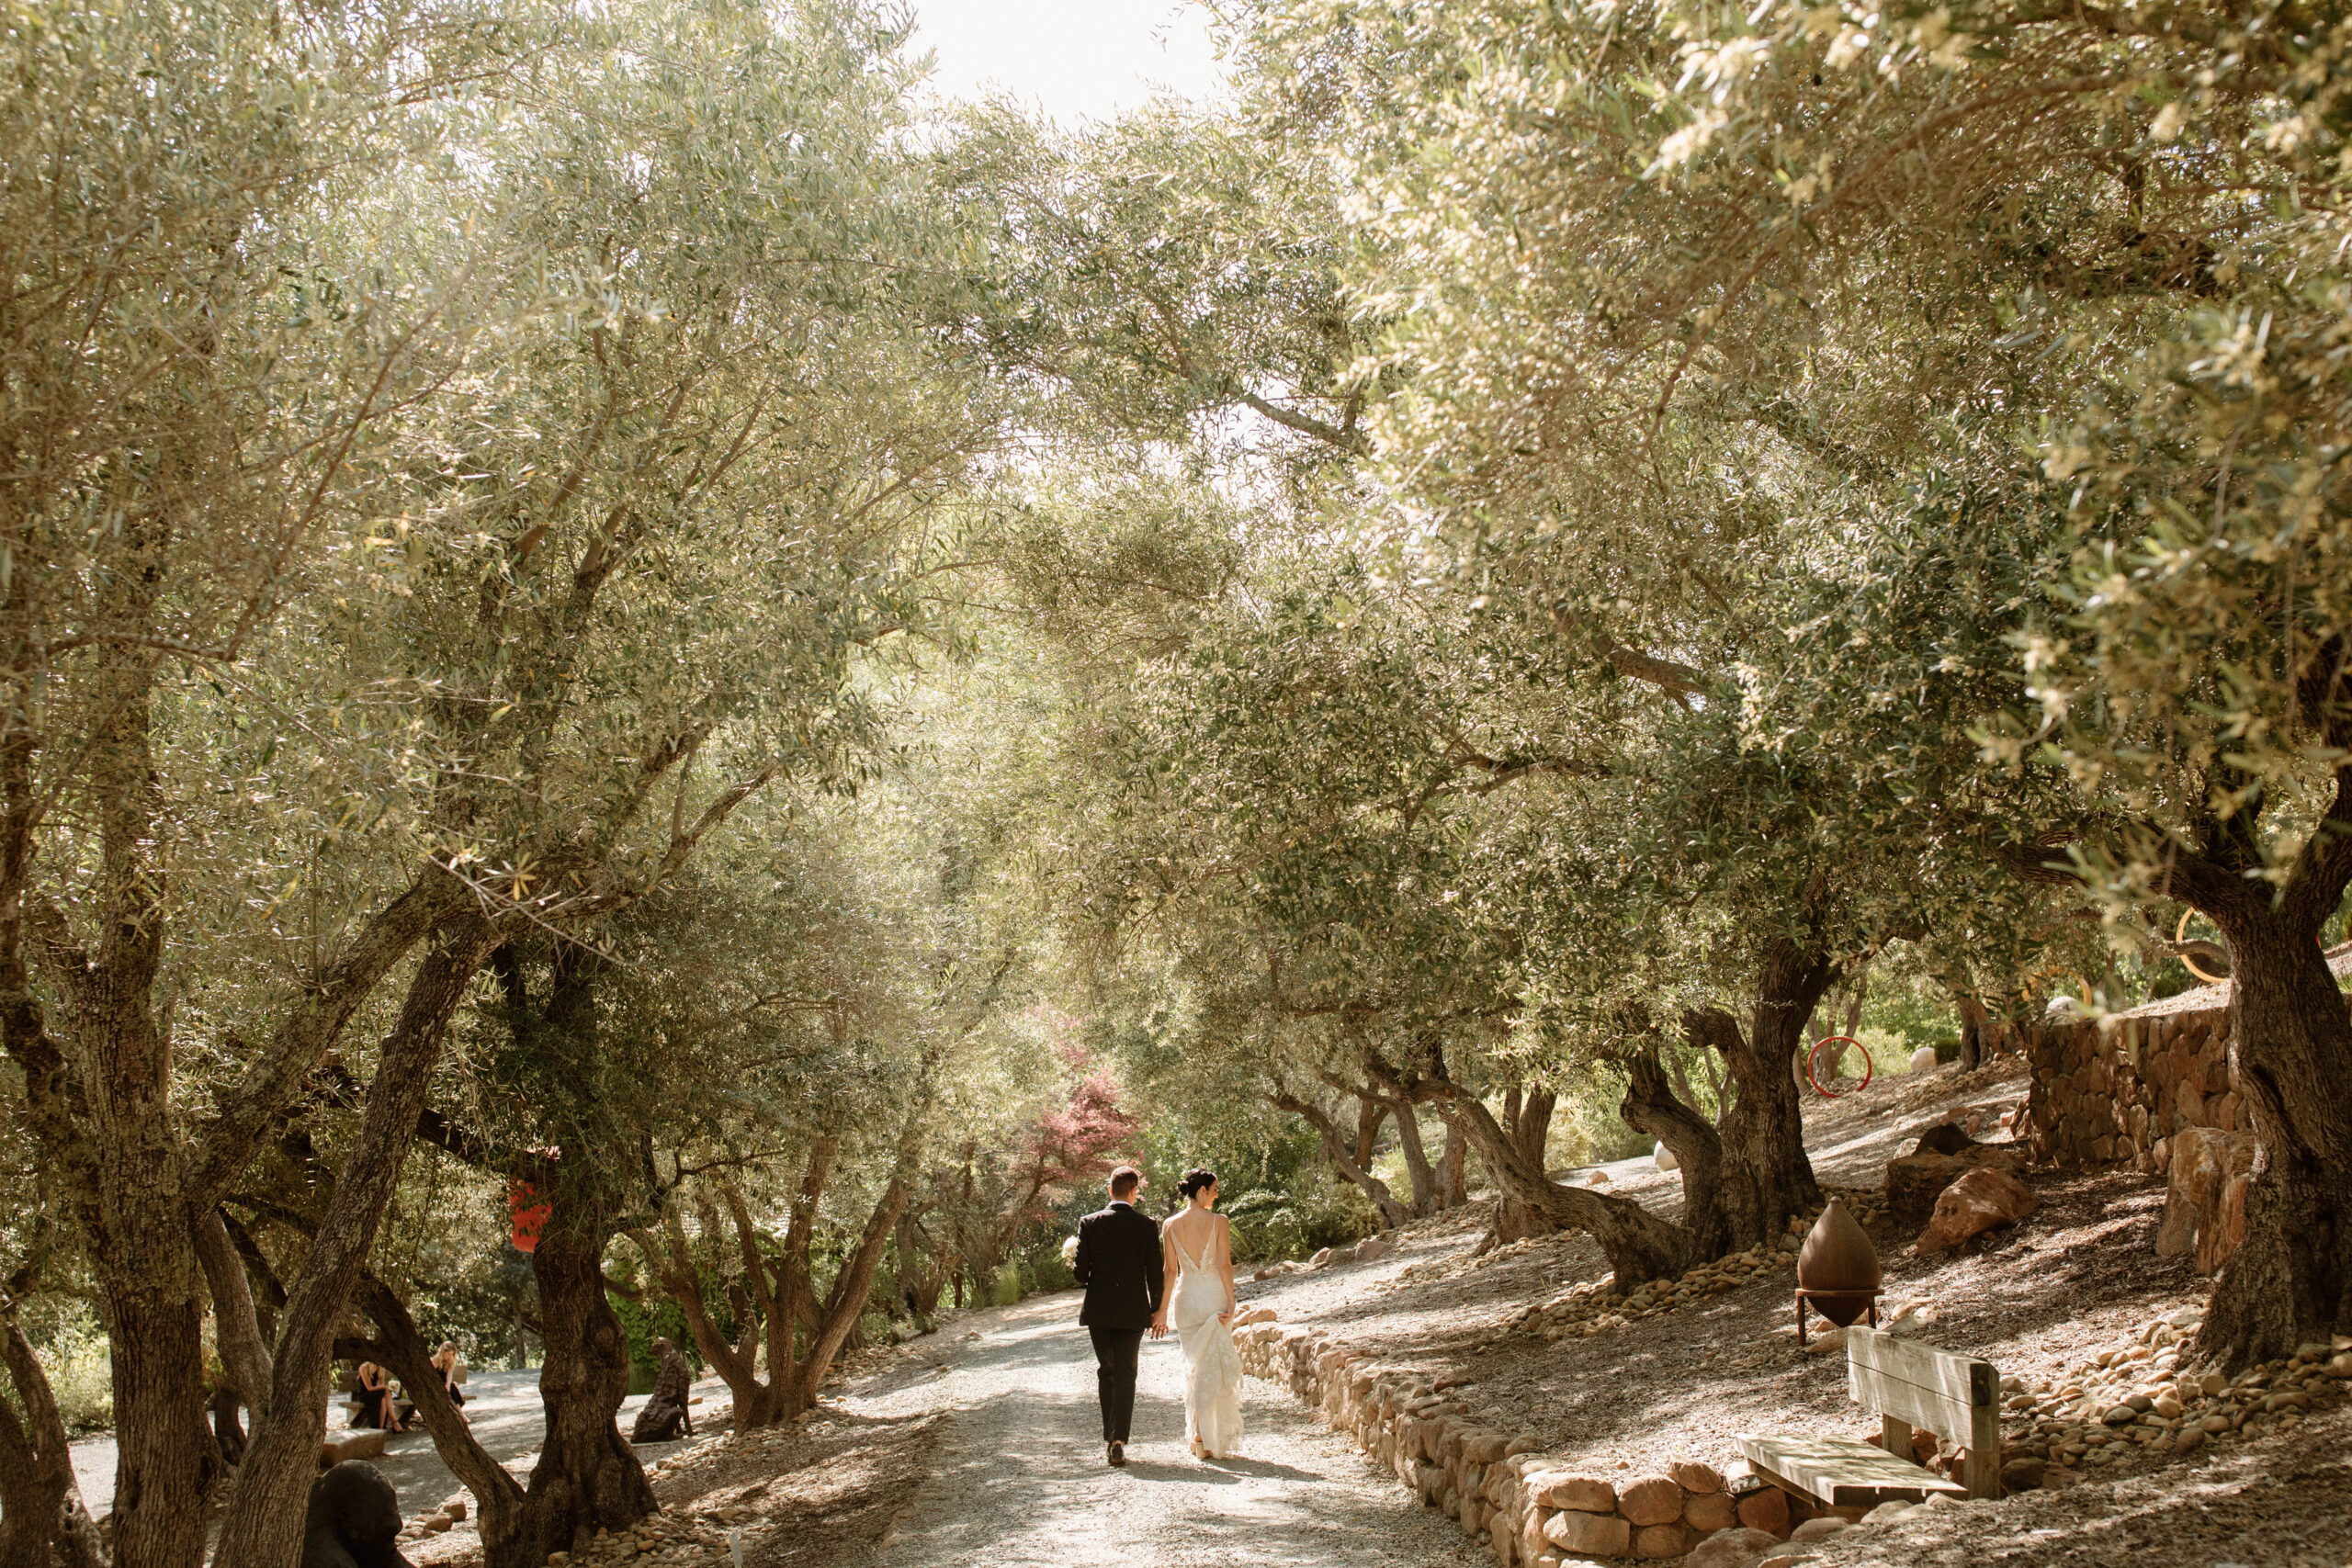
{"x":1907,"y":1384}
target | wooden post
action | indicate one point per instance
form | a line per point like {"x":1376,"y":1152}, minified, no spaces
{"x":1894,"y":1435}
{"x":1984,"y":1451}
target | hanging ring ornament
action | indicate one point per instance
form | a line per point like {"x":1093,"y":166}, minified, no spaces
{"x":1813,"y":1057}
{"x":2187,"y":963}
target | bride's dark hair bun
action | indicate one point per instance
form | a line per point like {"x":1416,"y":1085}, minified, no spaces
{"x":1195,"y":1182}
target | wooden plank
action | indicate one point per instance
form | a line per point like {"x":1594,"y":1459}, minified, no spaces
{"x":1926,"y":1386}
{"x":1956,"y":1397}
{"x":1985,"y":1453}
{"x":1842,"y":1472}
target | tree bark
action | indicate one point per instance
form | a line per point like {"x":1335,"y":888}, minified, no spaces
{"x":264,"y":1519}
{"x":498,"y":1496}
{"x":2289,"y":1281}
{"x":755,"y":1404}
{"x":1639,"y":1246}
{"x":1335,"y":1149}
{"x":42,"y":1521}
{"x":1453,"y":1169}
{"x":1426,"y":1200}
{"x":1527,"y":1121}
{"x":587,"y":1478}
{"x":1767,"y":1177}
{"x":1652,"y":1107}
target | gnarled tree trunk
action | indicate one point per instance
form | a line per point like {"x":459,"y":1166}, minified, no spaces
{"x":2290,"y":1057}
{"x":1652,"y":1107}
{"x":1337,"y":1151}
{"x":42,"y":1521}
{"x":587,"y":1477}
{"x":1527,"y":1122}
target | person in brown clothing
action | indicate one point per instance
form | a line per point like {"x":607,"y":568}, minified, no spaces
{"x":665,"y":1416}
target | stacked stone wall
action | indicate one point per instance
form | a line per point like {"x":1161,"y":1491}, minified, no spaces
{"x":1526,"y":1507}
{"x":2116,"y":1093}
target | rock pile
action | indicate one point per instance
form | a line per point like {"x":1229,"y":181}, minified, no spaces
{"x":660,"y":1539}
{"x":2148,"y":1398}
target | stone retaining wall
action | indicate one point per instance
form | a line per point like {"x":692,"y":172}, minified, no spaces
{"x":1527,"y":1507}
{"x":2114,"y":1093}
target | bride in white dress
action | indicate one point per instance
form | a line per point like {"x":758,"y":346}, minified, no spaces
{"x":1198,"y":1300}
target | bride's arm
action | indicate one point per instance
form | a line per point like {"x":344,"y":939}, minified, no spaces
{"x":1224,"y":1265}
{"x":1169,"y":1270}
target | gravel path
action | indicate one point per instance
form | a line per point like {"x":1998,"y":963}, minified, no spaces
{"x":1021,"y":1479}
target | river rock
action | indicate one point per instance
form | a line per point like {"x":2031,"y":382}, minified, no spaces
{"x":1580,"y":1494}
{"x":1819,"y":1529}
{"x":1651,"y":1500}
{"x":1372,"y":1247}
{"x":1692,"y":1477}
{"x":1663,"y":1157}
{"x":1658,"y":1543}
{"x":1593,"y":1535}
{"x":1982,"y":1200}
{"x":1708,"y":1511}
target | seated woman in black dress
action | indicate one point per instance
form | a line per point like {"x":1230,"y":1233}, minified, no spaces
{"x":444,"y":1361}
{"x":376,"y":1399}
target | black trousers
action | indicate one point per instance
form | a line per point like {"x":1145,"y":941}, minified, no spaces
{"x":1115,"y":1354}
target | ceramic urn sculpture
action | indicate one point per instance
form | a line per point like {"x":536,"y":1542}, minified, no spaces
{"x":1837,"y":1269}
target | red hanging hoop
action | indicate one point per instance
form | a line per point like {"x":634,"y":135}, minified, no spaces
{"x":1814,"y":1056}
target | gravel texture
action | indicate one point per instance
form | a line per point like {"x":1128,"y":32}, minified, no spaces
{"x":1019,"y":1477}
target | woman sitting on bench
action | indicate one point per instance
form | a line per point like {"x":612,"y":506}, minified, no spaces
{"x":376,"y":1399}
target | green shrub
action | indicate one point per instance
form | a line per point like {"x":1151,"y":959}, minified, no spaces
{"x":1047,"y":1271}
{"x":1004,"y":1286}
{"x":80,"y":1371}
{"x":643,"y":1322}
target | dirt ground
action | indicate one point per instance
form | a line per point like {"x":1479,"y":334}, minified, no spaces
{"x":977,"y":1444}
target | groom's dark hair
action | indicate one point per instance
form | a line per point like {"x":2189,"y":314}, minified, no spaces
{"x":1125,"y":1180}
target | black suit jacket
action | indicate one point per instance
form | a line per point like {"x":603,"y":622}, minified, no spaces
{"x":1119,"y":1263}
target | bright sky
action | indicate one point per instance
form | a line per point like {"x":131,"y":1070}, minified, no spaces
{"x":1074,"y":59}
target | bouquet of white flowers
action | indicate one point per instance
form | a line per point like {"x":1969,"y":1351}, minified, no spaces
{"x":1069,"y":1251}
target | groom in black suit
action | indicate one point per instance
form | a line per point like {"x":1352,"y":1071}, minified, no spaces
{"x":1118,"y":1262}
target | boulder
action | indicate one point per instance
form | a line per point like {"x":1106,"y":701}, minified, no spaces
{"x":2025,"y":1473}
{"x":2205,"y":1196}
{"x":1819,"y":1529}
{"x":1915,"y":1182}
{"x":1731,"y":1549}
{"x":1766,"y":1510}
{"x":1984,"y":1200}
{"x":1945,"y":1153}
{"x":353,"y":1519}
{"x":1589,"y":1535}
{"x":1663,"y":1157}
{"x":1660,"y":1541}
{"x":1943,"y":1138}
{"x":1650,"y":1500}
{"x":1692,"y":1477}
{"x":1372,"y":1247}
{"x":1923,"y":1060}
{"x":1580,"y":1494}
{"x":1708,"y":1511}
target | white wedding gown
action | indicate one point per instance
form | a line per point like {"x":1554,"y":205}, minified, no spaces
{"x":1211,"y":1366}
